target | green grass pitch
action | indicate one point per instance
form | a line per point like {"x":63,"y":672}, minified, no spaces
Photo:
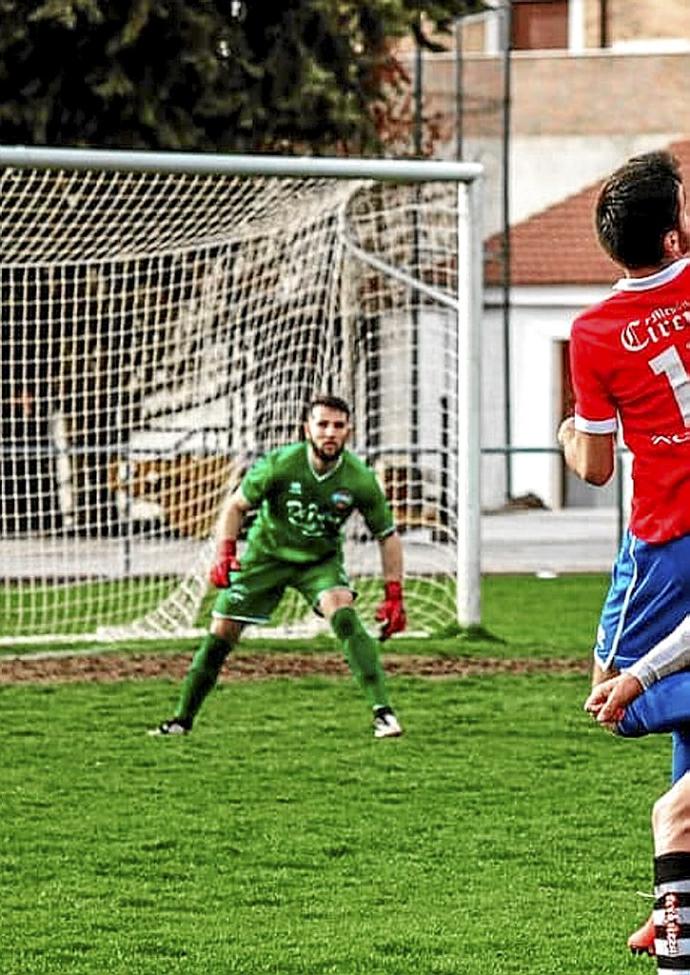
{"x":504,"y":833}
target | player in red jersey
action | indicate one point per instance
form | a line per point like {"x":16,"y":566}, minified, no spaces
{"x":630,"y":361}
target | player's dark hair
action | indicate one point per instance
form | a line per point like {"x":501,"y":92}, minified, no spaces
{"x":637,"y":206}
{"x":332,"y":402}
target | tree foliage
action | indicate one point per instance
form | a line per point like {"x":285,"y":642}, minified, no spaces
{"x":240,"y":75}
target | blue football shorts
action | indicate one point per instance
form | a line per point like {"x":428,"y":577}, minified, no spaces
{"x":648,"y":597}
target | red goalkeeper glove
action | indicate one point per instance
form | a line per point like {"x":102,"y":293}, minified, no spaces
{"x":226,"y":562}
{"x":391,"y":612}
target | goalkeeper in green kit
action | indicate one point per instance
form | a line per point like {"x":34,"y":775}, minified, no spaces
{"x":304,"y":494}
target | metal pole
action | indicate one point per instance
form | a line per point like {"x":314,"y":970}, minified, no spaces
{"x":469,"y":277}
{"x":506,"y":269}
{"x":458,"y":91}
{"x":418,"y":99}
{"x":127,"y":539}
{"x":412,"y":478}
{"x":124,"y":160}
{"x":603,"y":23}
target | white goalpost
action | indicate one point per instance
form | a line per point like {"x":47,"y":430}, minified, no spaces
{"x":165,"y":319}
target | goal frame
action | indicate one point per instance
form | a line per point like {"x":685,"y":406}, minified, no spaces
{"x":466,"y":303}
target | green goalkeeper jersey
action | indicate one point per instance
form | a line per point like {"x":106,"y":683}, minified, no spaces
{"x":301,"y":513}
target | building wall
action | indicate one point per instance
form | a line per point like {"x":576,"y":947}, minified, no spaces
{"x":540,"y":320}
{"x":559,"y":94}
{"x":629,"y":22}
{"x":573,"y":118}
{"x":635,"y":20}
{"x":546,"y":169}
{"x":592,"y":94}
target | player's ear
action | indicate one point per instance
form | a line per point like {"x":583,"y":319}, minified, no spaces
{"x":672,"y":245}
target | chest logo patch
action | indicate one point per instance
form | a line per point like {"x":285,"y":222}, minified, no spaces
{"x":341,"y":500}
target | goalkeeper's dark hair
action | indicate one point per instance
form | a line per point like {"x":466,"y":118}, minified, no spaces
{"x":332,"y":402}
{"x":637,"y":206}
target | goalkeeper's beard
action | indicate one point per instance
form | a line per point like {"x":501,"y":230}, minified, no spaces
{"x":325,"y":458}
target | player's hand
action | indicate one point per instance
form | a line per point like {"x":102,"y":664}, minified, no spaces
{"x":226,"y":562}
{"x":607,"y":701}
{"x":391,"y":612}
{"x":566,"y":430}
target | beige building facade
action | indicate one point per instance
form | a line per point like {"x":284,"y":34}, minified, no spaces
{"x":575,"y":111}
{"x":578,"y":108}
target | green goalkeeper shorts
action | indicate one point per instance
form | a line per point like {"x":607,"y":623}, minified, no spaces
{"x":257,"y":588}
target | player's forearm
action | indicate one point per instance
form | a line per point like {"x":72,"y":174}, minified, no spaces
{"x":232,"y":517}
{"x":391,"y":558}
{"x":589,"y":456}
{"x":573,"y":450}
{"x":568,"y":440}
{"x":668,"y":656}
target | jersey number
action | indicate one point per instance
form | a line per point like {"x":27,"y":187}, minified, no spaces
{"x":668,"y":363}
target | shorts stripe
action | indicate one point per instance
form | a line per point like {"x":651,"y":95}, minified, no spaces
{"x":240,"y":619}
{"x":626,"y":603}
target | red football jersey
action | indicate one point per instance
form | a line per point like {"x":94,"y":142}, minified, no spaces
{"x":630,"y":363}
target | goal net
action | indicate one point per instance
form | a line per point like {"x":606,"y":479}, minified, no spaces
{"x":162,"y":328}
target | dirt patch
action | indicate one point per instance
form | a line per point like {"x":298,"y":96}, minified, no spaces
{"x":104,"y":667}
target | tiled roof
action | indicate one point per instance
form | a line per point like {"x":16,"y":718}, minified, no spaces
{"x":559,"y":244}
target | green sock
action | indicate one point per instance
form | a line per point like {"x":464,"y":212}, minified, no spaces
{"x":362,"y":655}
{"x":201,"y":676}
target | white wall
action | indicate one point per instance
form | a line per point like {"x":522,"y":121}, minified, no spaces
{"x":574,"y":162}
{"x":540,"y":319}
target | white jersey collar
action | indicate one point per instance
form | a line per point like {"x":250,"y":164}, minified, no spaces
{"x":663,"y":276}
